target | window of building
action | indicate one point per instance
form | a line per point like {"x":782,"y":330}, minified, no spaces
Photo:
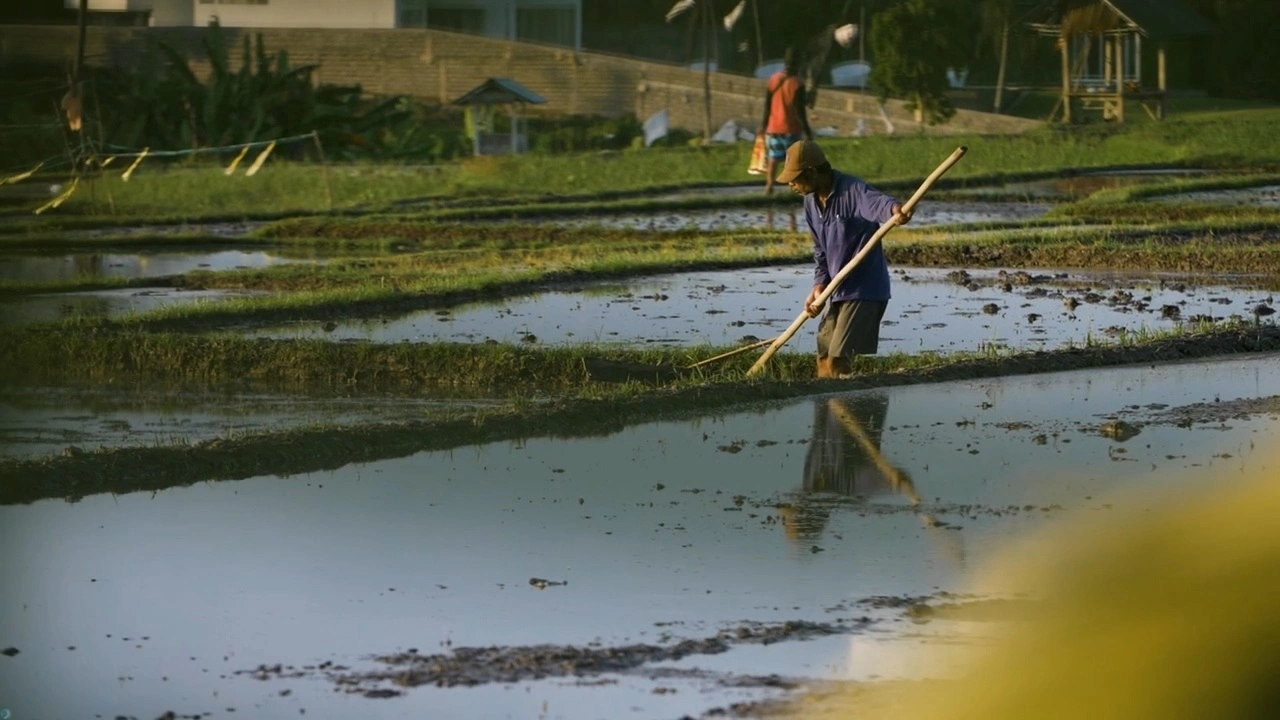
{"x":468,"y":20}
{"x":234,"y":2}
{"x":411,"y":13}
{"x":424,"y":14}
{"x":555,"y":25}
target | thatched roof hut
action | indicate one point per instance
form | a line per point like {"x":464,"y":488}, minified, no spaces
{"x":1116,"y":29}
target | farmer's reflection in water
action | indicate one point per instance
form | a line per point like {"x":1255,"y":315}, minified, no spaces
{"x":844,"y":459}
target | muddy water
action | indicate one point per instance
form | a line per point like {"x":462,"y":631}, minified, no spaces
{"x":1079,"y":186}
{"x":792,"y":217}
{"x":930,"y":311}
{"x":667,"y":531}
{"x":41,"y":421}
{"x":70,"y":266}
{"x":1267,"y":197}
{"x":107,"y":303}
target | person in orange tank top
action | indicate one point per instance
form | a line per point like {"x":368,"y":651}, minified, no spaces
{"x":785,"y":121}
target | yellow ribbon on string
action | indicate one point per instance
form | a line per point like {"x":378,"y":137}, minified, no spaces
{"x":257,"y":164}
{"x":104,"y":163}
{"x":21,"y":176}
{"x":136,"y":163}
{"x":60,"y":199}
{"x":236,"y":163}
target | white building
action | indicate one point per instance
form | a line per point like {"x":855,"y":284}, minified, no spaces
{"x":557,"y":22}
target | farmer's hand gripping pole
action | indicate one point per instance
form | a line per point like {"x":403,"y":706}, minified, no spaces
{"x":849,"y":267}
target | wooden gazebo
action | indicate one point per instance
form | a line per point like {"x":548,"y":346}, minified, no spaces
{"x":480,"y":103}
{"x":1101,"y":46}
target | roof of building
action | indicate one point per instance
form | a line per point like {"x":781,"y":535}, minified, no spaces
{"x":500,"y":91}
{"x":1158,"y":19}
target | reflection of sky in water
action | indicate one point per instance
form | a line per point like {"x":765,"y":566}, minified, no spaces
{"x":38,"y":421}
{"x":928,"y":312}
{"x":106,"y":303}
{"x":301,"y":569}
{"x":48,"y":268}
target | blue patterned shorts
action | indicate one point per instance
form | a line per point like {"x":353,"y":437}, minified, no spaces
{"x":776,"y":145}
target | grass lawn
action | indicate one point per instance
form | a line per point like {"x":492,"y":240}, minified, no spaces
{"x":1215,"y":136}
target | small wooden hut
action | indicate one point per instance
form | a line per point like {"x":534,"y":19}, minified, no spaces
{"x":1101,"y":43}
{"x":481,"y":103}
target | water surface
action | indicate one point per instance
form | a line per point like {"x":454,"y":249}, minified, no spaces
{"x":786,"y":511}
{"x":933,"y":309}
{"x":71,"y":266}
{"x":108,"y":303}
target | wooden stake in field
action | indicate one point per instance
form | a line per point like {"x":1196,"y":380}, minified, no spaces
{"x":849,"y":267}
{"x":324,"y":166}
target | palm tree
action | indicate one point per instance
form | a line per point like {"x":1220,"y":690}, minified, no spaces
{"x":997,"y":15}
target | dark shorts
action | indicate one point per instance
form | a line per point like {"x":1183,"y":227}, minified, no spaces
{"x":851,"y":327}
{"x":776,"y":145}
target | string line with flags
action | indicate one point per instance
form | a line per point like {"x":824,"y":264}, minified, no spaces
{"x":138,"y":155}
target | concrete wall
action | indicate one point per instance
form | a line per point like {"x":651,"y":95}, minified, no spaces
{"x":436,"y":65}
{"x":300,"y":14}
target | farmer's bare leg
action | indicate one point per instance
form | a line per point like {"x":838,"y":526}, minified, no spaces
{"x":771,"y":170}
{"x":841,"y":365}
{"x":826,"y":328}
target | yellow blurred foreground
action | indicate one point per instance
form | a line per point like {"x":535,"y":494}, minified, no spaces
{"x":1169,"y":612}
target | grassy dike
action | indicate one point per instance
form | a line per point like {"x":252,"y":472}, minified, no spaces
{"x":478,"y":267}
{"x":78,"y":473}
{"x":1241,"y":139}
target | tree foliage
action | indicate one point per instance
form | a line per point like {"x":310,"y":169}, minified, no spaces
{"x":914,"y":42}
{"x":1242,"y":58}
{"x":163,"y":103}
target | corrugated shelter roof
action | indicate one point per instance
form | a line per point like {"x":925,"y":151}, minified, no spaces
{"x":500,"y":91}
{"x":1157,"y":19}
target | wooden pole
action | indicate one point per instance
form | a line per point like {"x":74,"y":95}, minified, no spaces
{"x":862,"y":32}
{"x":731,"y":353}
{"x":1120,"y":78}
{"x":83,"y":21}
{"x":324,"y":165}
{"x":708,"y":19}
{"x":852,"y":264}
{"x":1004,"y":63}
{"x":755,"y":11}
{"x":1065,"y":41}
{"x":1161,"y":80}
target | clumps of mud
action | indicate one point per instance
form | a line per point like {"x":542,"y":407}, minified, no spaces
{"x":473,"y":666}
{"x":1218,"y":412}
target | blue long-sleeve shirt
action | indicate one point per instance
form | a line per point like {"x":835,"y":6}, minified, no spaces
{"x":854,"y":212}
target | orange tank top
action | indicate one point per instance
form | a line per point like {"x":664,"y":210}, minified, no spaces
{"x":784,"y":114}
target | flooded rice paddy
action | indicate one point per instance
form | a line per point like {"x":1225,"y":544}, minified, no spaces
{"x":107,"y":303}
{"x":658,"y":572}
{"x":1082,"y":185}
{"x":933,"y":309}
{"x":1266,"y":196}
{"x":72,"y":266}
{"x":791,"y":218}
{"x":43,"y":421}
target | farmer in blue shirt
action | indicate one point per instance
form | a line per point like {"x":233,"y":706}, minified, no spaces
{"x":843,"y":213}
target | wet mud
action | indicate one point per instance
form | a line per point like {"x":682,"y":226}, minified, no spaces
{"x":474,"y":666}
{"x":791,"y":219}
